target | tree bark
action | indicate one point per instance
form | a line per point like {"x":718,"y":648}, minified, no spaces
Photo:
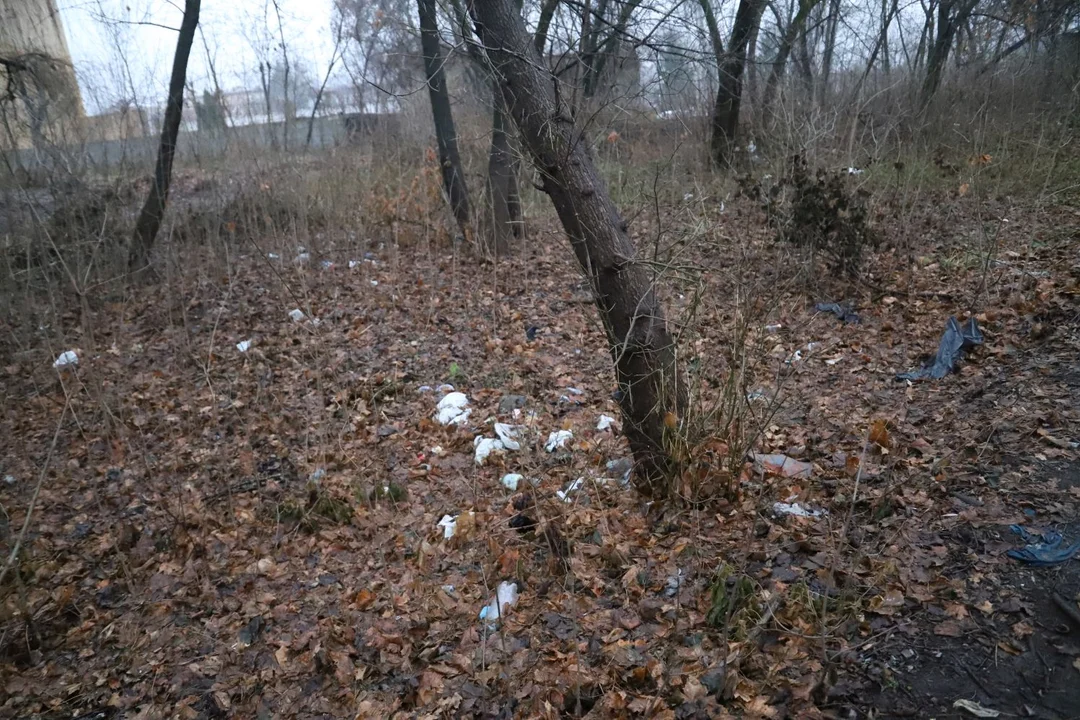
{"x":449,"y":160}
{"x":725,"y":121}
{"x":652,"y":396}
{"x":153,"y":210}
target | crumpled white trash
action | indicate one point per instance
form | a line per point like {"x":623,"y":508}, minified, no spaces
{"x":67,"y":358}
{"x":243,"y":346}
{"x":508,"y":435}
{"x":506,"y":596}
{"x":296,"y":314}
{"x":510,"y":481}
{"x":567,"y":495}
{"x":558,"y":439}
{"x":449,"y":525}
{"x":454,"y":408}
{"x":483,"y":447}
{"x":605,"y":422}
{"x":797,"y":510}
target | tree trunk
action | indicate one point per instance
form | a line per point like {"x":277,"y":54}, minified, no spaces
{"x":609,"y":50}
{"x":547,"y":12}
{"x":652,"y":396}
{"x":725,"y":121}
{"x":504,"y":208}
{"x":149,"y":221}
{"x":787,"y":41}
{"x":951,"y":15}
{"x":831,"y":25}
{"x":450,"y":161}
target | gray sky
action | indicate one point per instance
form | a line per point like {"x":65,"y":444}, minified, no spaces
{"x":231,"y":28}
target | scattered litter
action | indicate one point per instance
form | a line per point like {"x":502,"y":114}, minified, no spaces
{"x":954,"y":343}
{"x":621,"y":469}
{"x":1043,"y":549}
{"x":751,"y":148}
{"x":374,"y":283}
{"x":508,"y":435}
{"x":976,"y":709}
{"x":243,"y":345}
{"x":757,"y":394}
{"x":448,"y":525}
{"x":425,"y":389}
{"x":506,"y":440}
{"x":796,"y":509}
{"x":687,"y":197}
{"x":302,"y":259}
{"x":780,"y":464}
{"x":833,"y":361}
{"x":326,"y":265}
{"x":454,"y":408}
{"x":558,"y":439}
{"x":353,"y":264}
{"x":445,"y":388}
{"x":318,"y":475}
{"x":67,"y":358}
{"x":448,"y":589}
{"x":296,"y":314}
{"x":605,"y":422}
{"x":773,"y":327}
{"x":671,"y":587}
{"x":510,"y":481}
{"x":506,"y":596}
{"x":572,"y":488}
{"x":273,"y":256}
{"x":484,"y":447}
{"x":9,"y":480}
{"x":854,"y":171}
{"x":575,"y":391}
{"x":843,"y":313}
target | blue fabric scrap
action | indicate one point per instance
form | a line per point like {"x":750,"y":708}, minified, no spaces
{"x":1043,"y":548}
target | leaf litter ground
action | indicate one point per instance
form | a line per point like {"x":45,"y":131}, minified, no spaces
{"x":256,"y":534}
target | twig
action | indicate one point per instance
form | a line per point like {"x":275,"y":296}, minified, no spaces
{"x":1068,"y":608}
{"x":33,"y":500}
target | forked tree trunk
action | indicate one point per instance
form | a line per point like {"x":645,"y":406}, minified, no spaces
{"x":449,"y":160}
{"x":153,"y":210}
{"x":652,"y":394}
{"x":725,"y":121}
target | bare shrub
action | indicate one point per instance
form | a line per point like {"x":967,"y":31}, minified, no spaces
{"x":817,"y":210}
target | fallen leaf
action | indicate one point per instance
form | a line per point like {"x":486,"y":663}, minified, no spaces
{"x":949,"y":628}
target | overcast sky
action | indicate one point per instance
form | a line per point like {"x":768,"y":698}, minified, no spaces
{"x":100,"y":32}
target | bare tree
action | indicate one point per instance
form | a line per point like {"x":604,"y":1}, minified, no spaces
{"x":153,"y":210}
{"x":338,"y":36}
{"x":730,"y":66}
{"x":792,"y":31}
{"x":445,"y":135}
{"x":652,"y":396}
{"x":951,"y":15}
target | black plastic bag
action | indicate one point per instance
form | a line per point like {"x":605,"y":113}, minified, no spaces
{"x":842,"y":312}
{"x":954,"y":343}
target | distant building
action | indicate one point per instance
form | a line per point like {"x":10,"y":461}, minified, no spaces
{"x":35,"y":62}
{"x":620,"y":77}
